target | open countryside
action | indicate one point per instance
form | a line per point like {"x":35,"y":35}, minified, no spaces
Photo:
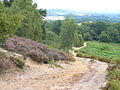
{"x":59,"y":48}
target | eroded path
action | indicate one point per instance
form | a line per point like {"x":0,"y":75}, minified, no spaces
{"x":79,"y":75}
{"x":94,"y":79}
{"x":44,"y":77}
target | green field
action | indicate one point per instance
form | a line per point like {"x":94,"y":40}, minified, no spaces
{"x":108,"y":52}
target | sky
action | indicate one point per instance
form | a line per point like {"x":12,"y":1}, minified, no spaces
{"x":80,"y":5}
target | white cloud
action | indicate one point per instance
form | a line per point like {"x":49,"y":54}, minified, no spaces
{"x":81,"y":5}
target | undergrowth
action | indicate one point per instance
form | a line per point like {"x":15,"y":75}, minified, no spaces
{"x":19,"y":63}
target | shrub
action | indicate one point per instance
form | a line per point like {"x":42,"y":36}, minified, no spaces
{"x":38,"y":56}
{"x":19,"y":63}
{"x":5,"y":64}
{"x":37,"y":51}
{"x":114,"y":85}
{"x":2,"y":55}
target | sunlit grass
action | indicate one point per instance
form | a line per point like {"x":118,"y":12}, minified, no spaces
{"x":109,"y":52}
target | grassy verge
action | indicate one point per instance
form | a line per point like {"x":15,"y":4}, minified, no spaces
{"x":106,"y":52}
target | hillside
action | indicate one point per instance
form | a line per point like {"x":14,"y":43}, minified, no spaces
{"x":37,"y":51}
{"x":72,"y":75}
{"x":60,"y":12}
{"x":59,"y":49}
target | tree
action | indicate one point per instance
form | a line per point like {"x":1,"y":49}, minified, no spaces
{"x":87,"y":36}
{"x":9,"y":22}
{"x":7,"y":3}
{"x":68,"y":30}
{"x":52,"y":39}
{"x":94,"y":28}
{"x":56,"y":26}
{"x":104,"y":37}
{"x":43,"y":12}
{"x":81,"y":40}
{"x":32,"y":25}
{"x":113,"y":33}
{"x":99,"y":26}
{"x":78,"y":40}
{"x":117,"y":26}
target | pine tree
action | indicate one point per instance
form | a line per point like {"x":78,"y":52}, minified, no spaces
{"x":9,"y":22}
{"x":33,"y":23}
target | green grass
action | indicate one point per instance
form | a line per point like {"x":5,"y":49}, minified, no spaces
{"x":107,"y":52}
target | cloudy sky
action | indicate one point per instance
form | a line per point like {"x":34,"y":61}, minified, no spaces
{"x":80,"y":5}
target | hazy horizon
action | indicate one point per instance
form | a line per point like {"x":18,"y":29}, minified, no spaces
{"x":81,"y":5}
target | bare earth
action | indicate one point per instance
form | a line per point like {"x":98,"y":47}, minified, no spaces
{"x":83,"y":74}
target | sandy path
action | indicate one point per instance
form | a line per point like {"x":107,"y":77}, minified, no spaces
{"x":44,"y":77}
{"x":94,"y":79}
{"x":79,"y":75}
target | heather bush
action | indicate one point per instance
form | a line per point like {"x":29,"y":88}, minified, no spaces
{"x":5,"y":64}
{"x":38,"y":56}
{"x":37,"y":51}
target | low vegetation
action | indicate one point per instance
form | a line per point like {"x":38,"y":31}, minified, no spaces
{"x":21,"y":18}
{"x":19,"y":63}
{"x":37,"y":51}
{"x":107,"y":52}
{"x":2,"y":55}
{"x":7,"y":63}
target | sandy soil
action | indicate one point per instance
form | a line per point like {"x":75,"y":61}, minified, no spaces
{"x":79,"y":75}
{"x":44,"y":77}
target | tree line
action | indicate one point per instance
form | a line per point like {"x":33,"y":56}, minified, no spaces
{"x":100,"y":31}
{"x":22,"y":18}
{"x":64,"y":34}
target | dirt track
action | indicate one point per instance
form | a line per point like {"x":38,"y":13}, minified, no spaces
{"x":79,"y":75}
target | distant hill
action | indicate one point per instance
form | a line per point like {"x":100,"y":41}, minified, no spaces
{"x":108,"y":16}
{"x":60,"y":12}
